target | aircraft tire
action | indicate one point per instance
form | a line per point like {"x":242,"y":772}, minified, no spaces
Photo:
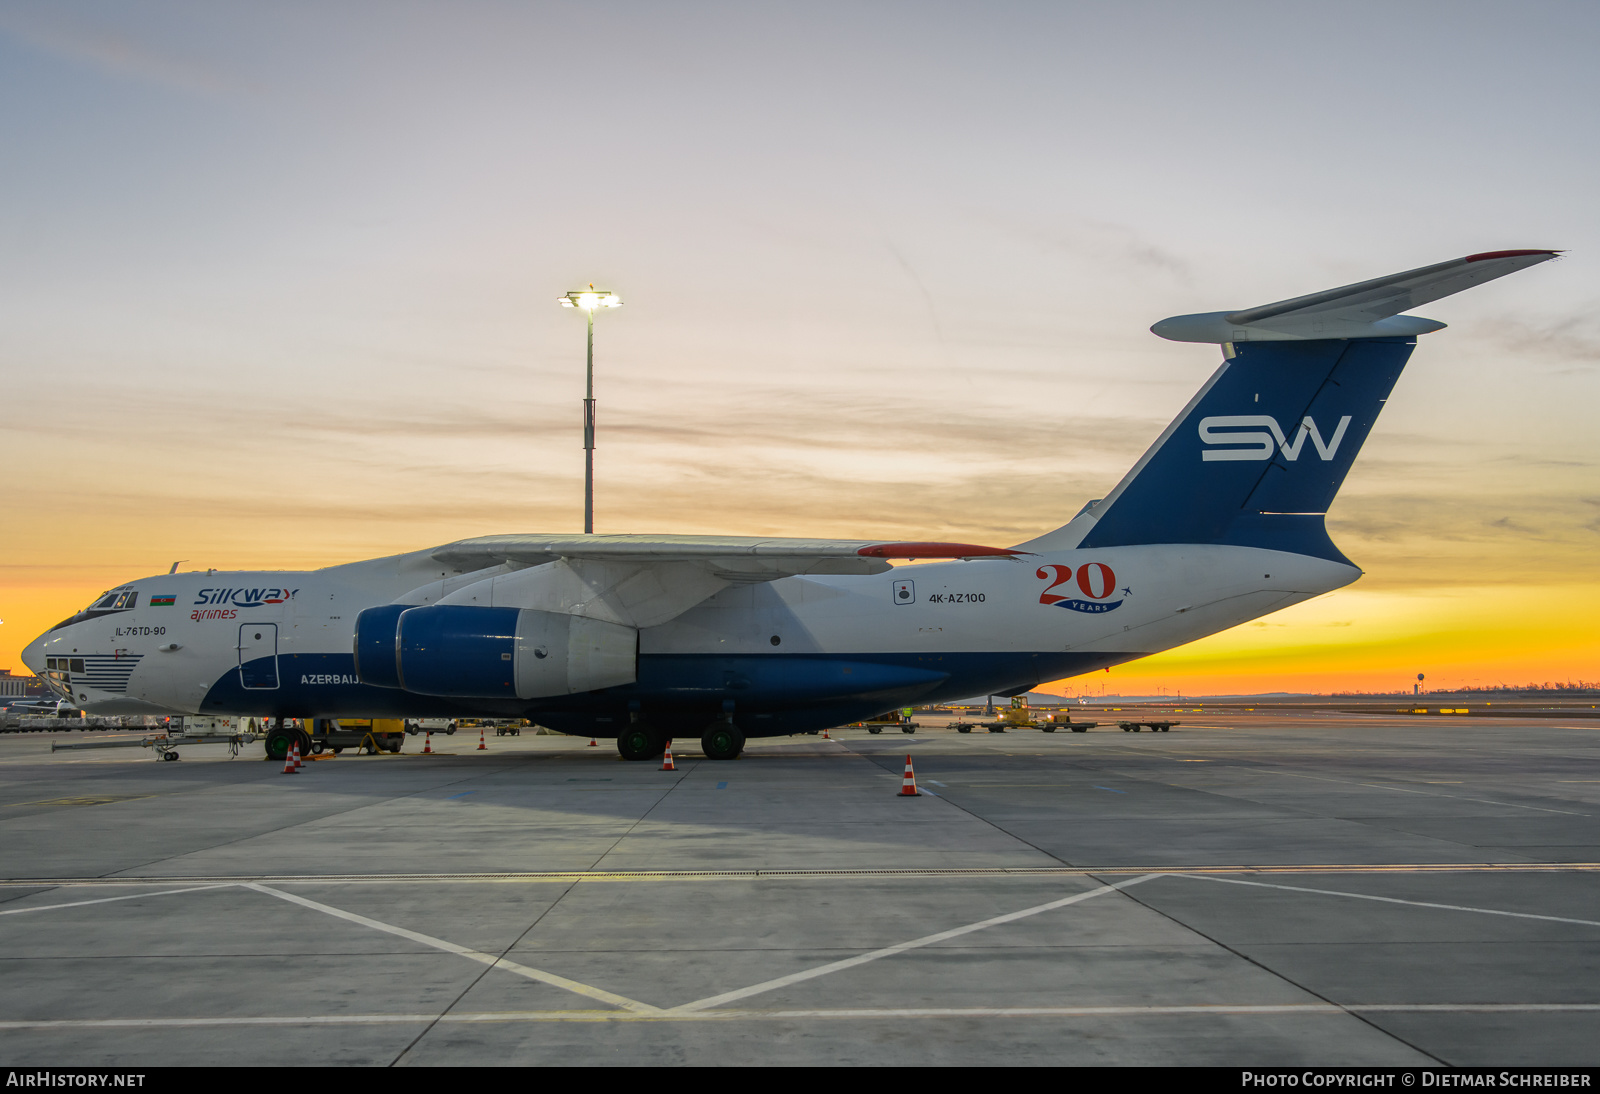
{"x":639,"y":742}
{"x":722,"y":741}
{"x":278,"y":742}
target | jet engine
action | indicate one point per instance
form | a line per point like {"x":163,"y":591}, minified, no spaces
{"x":464,"y":651}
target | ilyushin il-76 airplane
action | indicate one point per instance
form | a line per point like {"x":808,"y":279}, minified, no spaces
{"x":643,"y":638}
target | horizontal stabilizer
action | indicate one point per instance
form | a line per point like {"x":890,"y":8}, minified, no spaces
{"x":1368,"y":309}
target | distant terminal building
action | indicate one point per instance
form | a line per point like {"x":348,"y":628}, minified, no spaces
{"x":16,"y":687}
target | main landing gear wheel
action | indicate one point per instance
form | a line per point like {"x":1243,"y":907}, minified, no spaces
{"x":722,"y":741}
{"x":640,"y":743}
{"x":278,"y":741}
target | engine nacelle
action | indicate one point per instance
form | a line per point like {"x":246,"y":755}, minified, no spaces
{"x":377,"y":660}
{"x":470,"y":652}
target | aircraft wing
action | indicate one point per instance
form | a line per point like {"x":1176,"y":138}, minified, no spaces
{"x":731,"y":558}
{"x":643,"y":581}
{"x":1367,"y":309}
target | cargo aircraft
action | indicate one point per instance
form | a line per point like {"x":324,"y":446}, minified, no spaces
{"x":641,"y":638}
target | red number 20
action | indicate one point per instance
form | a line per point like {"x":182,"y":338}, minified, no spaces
{"x":1063,"y":575}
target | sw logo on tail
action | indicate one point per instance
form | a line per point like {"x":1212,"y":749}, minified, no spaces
{"x":1263,"y":441}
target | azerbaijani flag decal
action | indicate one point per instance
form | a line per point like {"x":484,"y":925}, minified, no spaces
{"x":164,"y":601}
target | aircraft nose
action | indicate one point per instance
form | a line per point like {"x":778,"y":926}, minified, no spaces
{"x":33,"y":655}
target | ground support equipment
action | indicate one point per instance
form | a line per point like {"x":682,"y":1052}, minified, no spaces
{"x":166,"y":746}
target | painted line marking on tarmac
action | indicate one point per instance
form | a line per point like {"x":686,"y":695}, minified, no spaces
{"x":843,"y":874}
{"x":463,"y":794}
{"x":1392,"y":900}
{"x":1113,"y":791}
{"x":109,"y":899}
{"x":463,"y":951}
{"x":1424,"y":793}
{"x":106,"y":799}
{"x":1154,"y":1011}
{"x":902,"y":947}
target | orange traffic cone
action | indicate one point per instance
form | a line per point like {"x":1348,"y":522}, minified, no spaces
{"x":592,"y":743}
{"x":481,"y":746}
{"x":666,"y":759}
{"x":427,"y":744}
{"x":908,"y":785}
{"x":291,"y":759}
{"x":825,"y":736}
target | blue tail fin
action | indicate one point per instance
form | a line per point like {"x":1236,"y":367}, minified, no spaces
{"x":1257,"y":456}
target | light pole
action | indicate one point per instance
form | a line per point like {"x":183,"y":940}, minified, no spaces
{"x":588,"y":300}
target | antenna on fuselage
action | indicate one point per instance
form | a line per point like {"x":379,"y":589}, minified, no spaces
{"x":175,"y":566}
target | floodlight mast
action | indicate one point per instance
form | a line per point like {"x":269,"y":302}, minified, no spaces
{"x":588,"y":300}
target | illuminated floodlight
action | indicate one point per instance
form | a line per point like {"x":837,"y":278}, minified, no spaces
{"x":591,"y":298}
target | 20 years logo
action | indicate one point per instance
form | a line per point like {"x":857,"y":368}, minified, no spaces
{"x":1096,"y":581}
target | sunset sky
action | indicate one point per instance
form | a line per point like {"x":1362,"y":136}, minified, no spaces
{"x":278,"y":287}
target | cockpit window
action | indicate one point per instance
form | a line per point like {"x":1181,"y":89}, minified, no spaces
{"x":115,"y":601}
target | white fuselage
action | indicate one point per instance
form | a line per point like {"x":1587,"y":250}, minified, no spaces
{"x":977,"y":627}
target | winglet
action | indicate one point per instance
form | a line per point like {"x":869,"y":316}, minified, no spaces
{"x":1367,"y":309}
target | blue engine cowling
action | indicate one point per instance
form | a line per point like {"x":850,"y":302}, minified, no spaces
{"x":376,"y":653}
{"x":466,"y":651}
{"x":457,"y":650}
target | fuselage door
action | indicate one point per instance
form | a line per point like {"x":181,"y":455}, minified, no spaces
{"x":258,"y":655}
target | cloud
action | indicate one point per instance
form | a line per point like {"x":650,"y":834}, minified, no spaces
{"x":1592,"y":525}
{"x":1102,"y":244}
{"x":1510,"y":525}
{"x":1573,"y":338}
{"x":111,"y":52}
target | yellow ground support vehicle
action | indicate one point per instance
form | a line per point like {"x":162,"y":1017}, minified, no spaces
{"x":1020,"y":716}
{"x":317,"y":735}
